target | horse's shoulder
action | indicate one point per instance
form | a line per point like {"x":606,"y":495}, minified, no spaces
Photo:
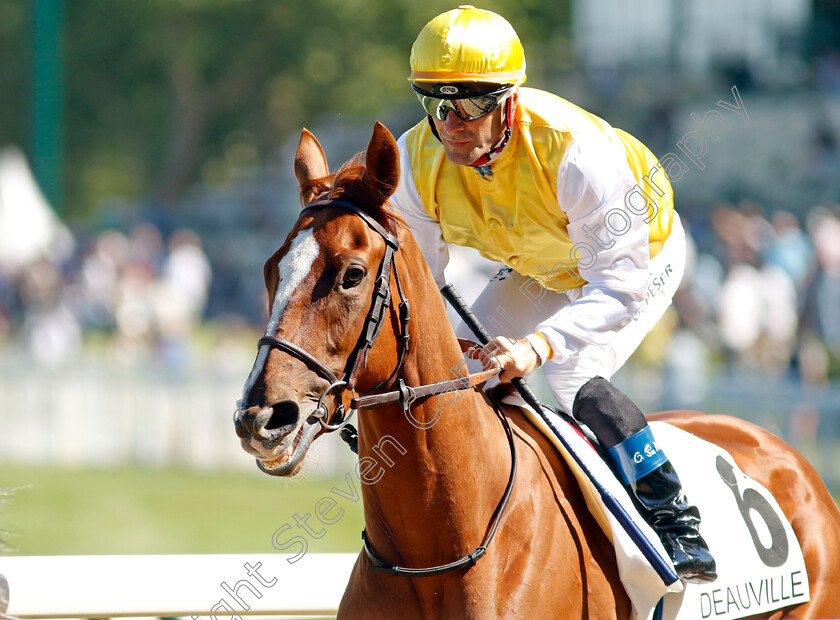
{"x":544,"y":473}
{"x":542,"y":456}
{"x":532,"y":437}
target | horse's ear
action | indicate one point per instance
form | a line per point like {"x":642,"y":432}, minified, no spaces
{"x":310,"y":162}
{"x":382,"y":161}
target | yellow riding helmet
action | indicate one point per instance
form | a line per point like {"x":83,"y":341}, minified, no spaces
{"x":468,"y":45}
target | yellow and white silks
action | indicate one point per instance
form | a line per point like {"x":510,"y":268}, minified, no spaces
{"x":583,"y":216}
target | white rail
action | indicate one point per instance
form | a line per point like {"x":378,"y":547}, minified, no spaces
{"x":218,"y":586}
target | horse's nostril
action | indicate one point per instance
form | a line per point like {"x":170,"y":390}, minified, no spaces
{"x":284,"y":413}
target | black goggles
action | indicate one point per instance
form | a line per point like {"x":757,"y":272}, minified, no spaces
{"x":466,"y":107}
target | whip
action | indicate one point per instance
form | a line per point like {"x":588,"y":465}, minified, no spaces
{"x":662,"y":566}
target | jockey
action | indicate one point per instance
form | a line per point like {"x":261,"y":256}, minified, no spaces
{"x":582,"y":216}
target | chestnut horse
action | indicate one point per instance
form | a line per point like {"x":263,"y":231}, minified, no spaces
{"x":436,"y":471}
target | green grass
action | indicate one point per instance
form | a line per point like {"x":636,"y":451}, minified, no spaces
{"x":127,"y":511}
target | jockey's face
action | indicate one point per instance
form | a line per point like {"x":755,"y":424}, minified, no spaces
{"x":466,"y":141}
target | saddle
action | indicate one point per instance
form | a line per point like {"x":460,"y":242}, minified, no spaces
{"x":759,"y":560}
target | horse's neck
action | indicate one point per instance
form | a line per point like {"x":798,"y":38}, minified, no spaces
{"x":436,"y":470}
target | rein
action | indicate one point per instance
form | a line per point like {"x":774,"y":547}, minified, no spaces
{"x":404,"y":394}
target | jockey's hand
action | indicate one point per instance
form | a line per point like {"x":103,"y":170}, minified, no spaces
{"x":516,"y":358}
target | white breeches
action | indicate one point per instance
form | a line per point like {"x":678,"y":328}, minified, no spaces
{"x":506,"y":311}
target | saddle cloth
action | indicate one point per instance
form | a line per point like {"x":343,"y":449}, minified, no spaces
{"x":759,"y":561}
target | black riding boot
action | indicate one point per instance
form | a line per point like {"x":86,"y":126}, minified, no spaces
{"x":621,"y":428}
{"x":676,"y":521}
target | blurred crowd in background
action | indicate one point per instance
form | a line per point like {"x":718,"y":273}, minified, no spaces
{"x":762,"y":290}
{"x":162,"y":137}
{"x":173,"y":220}
{"x":145,"y":294}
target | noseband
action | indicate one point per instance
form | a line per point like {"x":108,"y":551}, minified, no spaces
{"x":373,"y":325}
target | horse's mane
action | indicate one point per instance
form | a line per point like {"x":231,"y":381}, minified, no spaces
{"x":349,"y":184}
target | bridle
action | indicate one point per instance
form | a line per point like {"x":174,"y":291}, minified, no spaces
{"x":373,"y":325}
{"x":404,"y":395}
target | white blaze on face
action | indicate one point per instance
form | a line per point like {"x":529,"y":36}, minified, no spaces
{"x":292,"y":269}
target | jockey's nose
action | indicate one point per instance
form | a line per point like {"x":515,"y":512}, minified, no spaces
{"x":452,"y":123}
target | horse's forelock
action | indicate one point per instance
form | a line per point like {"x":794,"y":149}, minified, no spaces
{"x":348,"y":184}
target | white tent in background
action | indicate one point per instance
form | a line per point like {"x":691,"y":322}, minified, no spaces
{"x":29,"y":228}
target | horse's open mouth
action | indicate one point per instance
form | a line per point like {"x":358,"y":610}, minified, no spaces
{"x":289,"y":461}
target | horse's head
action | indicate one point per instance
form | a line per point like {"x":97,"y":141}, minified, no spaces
{"x":329,"y":292}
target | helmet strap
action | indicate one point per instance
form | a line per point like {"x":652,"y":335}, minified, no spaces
{"x":501,"y":144}
{"x":433,"y":128}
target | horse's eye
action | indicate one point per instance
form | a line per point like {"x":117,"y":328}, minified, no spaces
{"x":353,"y":276}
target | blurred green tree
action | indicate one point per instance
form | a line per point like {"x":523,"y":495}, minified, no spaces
{"x":161,"y":94}
{"x":14,"y":75}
